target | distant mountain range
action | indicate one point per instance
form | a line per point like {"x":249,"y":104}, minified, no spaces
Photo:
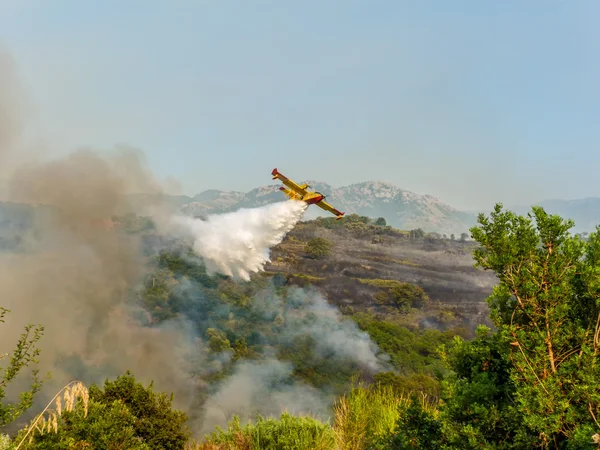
{"x":400,"y":208}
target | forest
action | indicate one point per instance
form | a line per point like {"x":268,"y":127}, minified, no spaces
{"x":359,"y":330}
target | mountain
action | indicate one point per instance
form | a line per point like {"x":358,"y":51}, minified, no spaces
{"x":584,"y":212}
{"x":401,"y":209}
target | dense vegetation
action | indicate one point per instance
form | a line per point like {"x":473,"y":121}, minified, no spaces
{"x":528,"y":381}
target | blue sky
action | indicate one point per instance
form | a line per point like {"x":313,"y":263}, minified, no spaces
{"x":471,"y":101}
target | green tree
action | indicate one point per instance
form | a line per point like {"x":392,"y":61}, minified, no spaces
{"x":24,"y":355}
{"x":417,"y":233}
{"x":381,"y":222}
{"x":105,"y":426}
{"x":318,"y":247}
{"x":217,"y":341}
{"x":417,"y":428}
{"x":547,"y":307}
{"x":123,"y":415}
{"x":157,"y":424}
{"x":479,"y":406}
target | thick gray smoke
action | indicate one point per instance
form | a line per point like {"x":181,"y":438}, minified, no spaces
{"x":74,"y":273}
{"x":77,"y":276}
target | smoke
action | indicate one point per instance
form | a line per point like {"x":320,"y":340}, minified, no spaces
{"x":261,"y":388}
{"x":79,"y":277}
{"x":75,"y":275}
{"x":335,"y":336}
{"x":294,"y":327}
{"x":237,"y":244}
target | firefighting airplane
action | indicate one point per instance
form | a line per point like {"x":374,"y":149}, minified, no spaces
{"x":300,"y":192}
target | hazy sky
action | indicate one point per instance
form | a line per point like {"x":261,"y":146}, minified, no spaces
{"x":471,"y":101}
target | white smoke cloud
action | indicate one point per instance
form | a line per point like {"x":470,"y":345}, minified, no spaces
{"x":238,"y":243}
{"x":333,"y":334}
{"x":262,"y":388}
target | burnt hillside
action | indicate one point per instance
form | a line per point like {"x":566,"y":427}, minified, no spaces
{"x":366,"y":259}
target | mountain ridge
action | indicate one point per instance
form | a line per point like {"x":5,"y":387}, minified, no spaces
{"x":401,"y":208}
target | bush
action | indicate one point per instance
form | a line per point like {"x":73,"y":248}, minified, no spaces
{"x":156,"y":423}
{"x":318,"y":247}
{"x":124,"y":415}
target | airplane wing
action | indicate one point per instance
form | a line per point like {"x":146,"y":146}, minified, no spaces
{"x":327,"y":207}
{"x":289,"y":183}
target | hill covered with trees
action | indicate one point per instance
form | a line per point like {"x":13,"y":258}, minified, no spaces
{"x":369,"y":319}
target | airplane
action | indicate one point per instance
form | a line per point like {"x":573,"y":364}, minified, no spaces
{"x":300,"y":192}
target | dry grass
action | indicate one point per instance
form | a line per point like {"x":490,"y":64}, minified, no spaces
{"x":47,"y":420}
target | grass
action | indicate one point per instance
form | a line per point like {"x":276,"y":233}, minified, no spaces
{"x":363,"y":417}
{"x":289,"y":432}
{"x":402,"y":262}
{"x":310,"y":278}
{"x":380,"y":283}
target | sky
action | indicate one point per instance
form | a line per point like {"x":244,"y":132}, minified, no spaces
{"x":474,"y":102}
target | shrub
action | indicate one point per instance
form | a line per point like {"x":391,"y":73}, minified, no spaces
{"x":124,"y":415}
{"x":318,"y":247}
{"x":160,"y":426}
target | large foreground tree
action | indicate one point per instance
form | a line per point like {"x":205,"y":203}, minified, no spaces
{"x":547,"y":307}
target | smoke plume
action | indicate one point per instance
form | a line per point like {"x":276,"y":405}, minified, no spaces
{"x":237,"y":244}
{"x":74,"y":274}
{"x":79,"y":277}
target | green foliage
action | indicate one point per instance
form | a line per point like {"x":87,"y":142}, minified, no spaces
{"x":398,"y":294}
{"x":380,"y":222}
{"x":156,"y":423}
{"x":288,"y":432}
{"x":24,"y":355}
{"x":547,"y":306}
{"x":106,"y":426}
{"x":419,"y":382}
{"x":417,"y":233}
{"x":417,"y":427}
{"x":365,"y":417}
{"x":479,"y":395}
{"x":318,"y":247}
{"x":217,"y":341}
{"x":413,"y":353}
{"x":5,"y":442}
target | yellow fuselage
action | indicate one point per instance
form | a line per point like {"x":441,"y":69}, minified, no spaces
{"x":310,"y":197}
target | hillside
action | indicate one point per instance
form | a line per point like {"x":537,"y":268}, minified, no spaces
{"x":367,"y":259}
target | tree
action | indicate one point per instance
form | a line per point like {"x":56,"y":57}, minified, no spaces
{"x":24,"y":355}
{"x":463,"y":237}
{"x":381,"y":222}
{"x":547,"y":307}
{"x":416,"y":233}
{"x":318,"y":247}
{"x":123,"y":415}
{"x":479,"y":405}
{"x":157,"y":424}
